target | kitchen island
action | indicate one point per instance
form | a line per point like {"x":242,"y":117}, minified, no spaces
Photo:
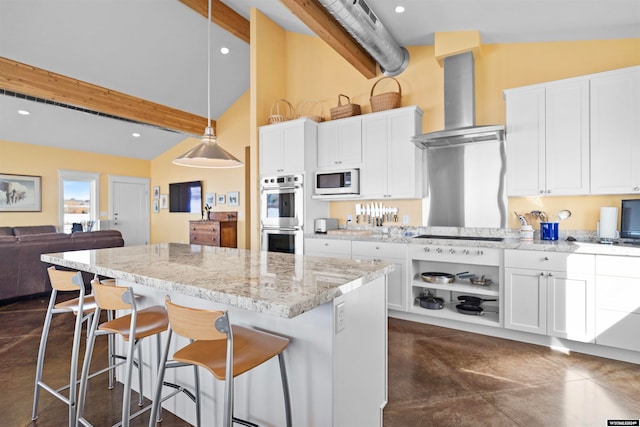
{"x":333,"y":310}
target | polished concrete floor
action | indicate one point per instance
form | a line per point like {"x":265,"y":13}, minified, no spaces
{"x":437,"y":377}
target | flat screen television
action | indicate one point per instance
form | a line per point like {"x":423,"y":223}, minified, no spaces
{"x":185,"y":197}
{"x":630,"y":219}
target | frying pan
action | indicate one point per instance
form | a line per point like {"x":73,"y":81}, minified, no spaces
{"x":470,"y":309}
{"x":438,"y":277}
{"x":466,"y":299}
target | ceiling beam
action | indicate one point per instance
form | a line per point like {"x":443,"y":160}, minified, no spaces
{"x":321,"y":22}
{"x":39,"y":83}
{"x":223,"y":16}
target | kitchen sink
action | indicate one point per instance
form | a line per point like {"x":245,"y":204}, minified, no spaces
{"x":446,"y":237}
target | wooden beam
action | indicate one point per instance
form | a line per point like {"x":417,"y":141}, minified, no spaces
{"x":321,"y":22}
{"x":32,"y":81}
{"x":223,"y":16}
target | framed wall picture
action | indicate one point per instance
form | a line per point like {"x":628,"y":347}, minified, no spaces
{"x":20,"y":193}
{"x":233,"y":198}
{"x":164,"y":201}
{"x":210,"y":199}
{"x":156,"y":206}
{"x":156,"y":193}
{"x":221,"y":199}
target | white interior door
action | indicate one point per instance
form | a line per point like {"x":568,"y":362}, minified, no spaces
{"x":129,"y":208}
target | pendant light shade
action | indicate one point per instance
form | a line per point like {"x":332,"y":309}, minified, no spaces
{"x":208,"y":154}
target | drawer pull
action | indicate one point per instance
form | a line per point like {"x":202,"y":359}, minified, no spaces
{"x":546,"y":258}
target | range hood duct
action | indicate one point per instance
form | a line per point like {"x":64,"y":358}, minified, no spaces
{"x":459,"y":108}
{"x":360,"y":21}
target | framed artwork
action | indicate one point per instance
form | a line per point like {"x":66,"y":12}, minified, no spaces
{"x":210,"y":199}
{"x":233,"y":198}
{"x":164,"y":201}
{"x":156,"y":206}
{"x":20,"y":193}
{"x":156,"y":193}
{"x":221,"y":199}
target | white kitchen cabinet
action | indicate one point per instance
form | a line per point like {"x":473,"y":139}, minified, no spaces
{"x":615,"y":132}
{"x":550,"y":293}
{"x":340,"y":144}
{"x":327,"y":247}
{"x":288,"y":147}
{"x":395,"y":253}
{"x":548,"y":139}
{"x":618,"y":302}
{"x":392,"y":163}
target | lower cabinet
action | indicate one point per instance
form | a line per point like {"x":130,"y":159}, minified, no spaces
{"x":395,"y":253}
{"x":618,"y":302}
{"x":550,"y":293}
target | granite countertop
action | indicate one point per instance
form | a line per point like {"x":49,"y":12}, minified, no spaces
{"x":585,"y":243}
{"x":273,"y":283}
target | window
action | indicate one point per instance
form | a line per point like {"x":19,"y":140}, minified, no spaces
{"x":78,"y":200}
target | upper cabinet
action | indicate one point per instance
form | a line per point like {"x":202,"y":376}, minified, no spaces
{"x":615,"y":132}
{"x":392,"y":163}
{"x":548,"y":139}
{"x":288,"y":147}
{"x":575,"y":136}
{"x":340,"y":144}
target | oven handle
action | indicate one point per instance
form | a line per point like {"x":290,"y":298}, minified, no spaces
{"x":295,"y":187}
{"x":281,"y":229}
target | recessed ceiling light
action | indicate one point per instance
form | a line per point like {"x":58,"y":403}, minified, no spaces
{"x":399,"y":9}
{"x":23,"y":112}
{"x":224,"y":50}
{"x":136,"y":135}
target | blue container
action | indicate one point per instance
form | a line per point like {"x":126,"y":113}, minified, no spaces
{"x":549,"y":230}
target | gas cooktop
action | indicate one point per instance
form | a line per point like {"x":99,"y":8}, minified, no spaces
{"x":480,"y":238}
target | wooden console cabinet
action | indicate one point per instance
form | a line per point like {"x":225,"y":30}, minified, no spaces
{"x":220,"y":230}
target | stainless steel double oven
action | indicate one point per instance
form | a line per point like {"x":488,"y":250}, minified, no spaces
{"x":282,"y":213}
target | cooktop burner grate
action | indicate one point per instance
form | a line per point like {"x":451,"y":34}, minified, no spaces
{"x":480,"y":238}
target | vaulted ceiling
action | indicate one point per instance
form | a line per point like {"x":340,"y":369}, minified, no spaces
{"x":146,"y":59}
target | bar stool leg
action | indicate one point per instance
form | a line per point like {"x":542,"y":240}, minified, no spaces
{"x":285,"y":388}
{"x":84,"y":378}
{"x":41,"y":351}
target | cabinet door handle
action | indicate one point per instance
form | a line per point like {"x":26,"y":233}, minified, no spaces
{"x":546,"y":258}
{"x":550,"y":274}
{"x":542,"y":274}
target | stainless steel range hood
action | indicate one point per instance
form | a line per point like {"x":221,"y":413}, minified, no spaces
{"x":459,"y":108}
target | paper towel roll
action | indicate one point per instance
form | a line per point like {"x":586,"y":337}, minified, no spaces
{"x":608,"y":222}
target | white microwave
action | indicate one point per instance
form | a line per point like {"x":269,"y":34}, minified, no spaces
{"x":337,"y":182}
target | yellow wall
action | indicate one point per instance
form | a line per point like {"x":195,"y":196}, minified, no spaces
{"x":233,"y":134}
{"x":28,"y":159}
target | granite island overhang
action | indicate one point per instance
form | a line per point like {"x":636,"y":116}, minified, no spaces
{"x":337,"y":367}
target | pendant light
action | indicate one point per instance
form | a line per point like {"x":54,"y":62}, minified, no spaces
{"x":208,"y":154}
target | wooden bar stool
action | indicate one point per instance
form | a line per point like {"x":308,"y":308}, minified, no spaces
{"x":63,"y":281}
{"x":133,"y":327}
{"x":215,"y":348}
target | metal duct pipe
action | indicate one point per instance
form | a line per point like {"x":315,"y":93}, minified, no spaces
{"x":360,"y":21}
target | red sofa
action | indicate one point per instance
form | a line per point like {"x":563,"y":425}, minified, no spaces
{"x":22,"y":273}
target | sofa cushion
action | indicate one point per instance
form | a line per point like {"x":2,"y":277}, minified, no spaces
{"x":6,"y":231}
{"x":8,"y":239}
{"x":44,"y":237}
{"x":34,"y":229}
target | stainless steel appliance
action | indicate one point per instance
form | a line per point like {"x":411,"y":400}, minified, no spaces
{"x":282,"y":201}
{"x":466,"y":164}
{"x":337,"y":182}
{"x":287,"y":240}
{"x":282,"y":213}
{"x":322,"y":225}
